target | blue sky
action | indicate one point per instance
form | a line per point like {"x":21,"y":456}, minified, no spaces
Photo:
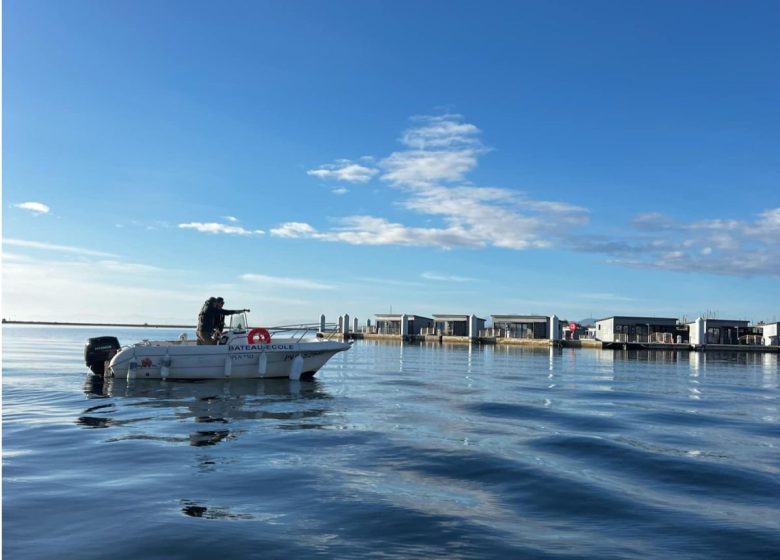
{"x":297,"y":158}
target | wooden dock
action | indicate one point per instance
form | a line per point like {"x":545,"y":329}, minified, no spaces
{"x":582,"y":343}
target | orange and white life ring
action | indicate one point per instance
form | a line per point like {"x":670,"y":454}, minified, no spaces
{"x":260,"y":335}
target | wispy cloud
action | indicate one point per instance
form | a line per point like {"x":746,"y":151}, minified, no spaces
{"x":95,"y":289}
{"x":717,"y":246}
{"x":438,"y":149}
{"x":103,"y":287}
{"x":431,"y":170}
{"x":431,"y":173}
{"x":421,"y":168}
{"x":149,"y":225}
{"x":443,"y":131}
{"x":294,"y":230}
{"x":344,"y":170}
{"x":369,"y":230}
{"x":284,"y":282}
{"x":217,"y":228}
{"x":390,"y":282}
{"x":436,"y":277}
{"x":768,"y":222}
{"x":56,"y":248}
{"x":37,"y":208}
{"x":128,"y":267}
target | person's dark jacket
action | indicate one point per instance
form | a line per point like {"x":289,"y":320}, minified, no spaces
{"x":212,"y":317}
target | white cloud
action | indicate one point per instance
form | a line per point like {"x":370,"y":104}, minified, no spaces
{"x":231,"y":219}
{"x":767,"y":224}
{"x":390,"y":282}
{"x":714,"y":225}
{"x":438,"y":148}
{"x":422,"y":168}
{"x":716,"y":246}
{"x":110,"y":290}
{"x":369,"y":230}
{"x":128,"y":267}
{"x":443,"y":131}
{"x":445,"y":277}
{"x":56,"y":248}
{"x":217,"y":228}
{"x":431,"y":174}
{"x":37,"y":208}
{"x":345,"y":170}
{"x":15,"y":257}
{"x":340,"y":191}
{"x":498,"y":217}
{"x":88,"y":289}
{"x":280,"y":281}
{"x":149,"y":225}
{"x":293,"y":230}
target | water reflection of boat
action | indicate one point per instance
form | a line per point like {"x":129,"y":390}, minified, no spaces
{"x":218,"y":403}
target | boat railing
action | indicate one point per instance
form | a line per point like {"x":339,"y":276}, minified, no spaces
{"x":299,"y":331}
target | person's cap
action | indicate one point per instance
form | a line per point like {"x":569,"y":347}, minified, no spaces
{"x":220,"y":299}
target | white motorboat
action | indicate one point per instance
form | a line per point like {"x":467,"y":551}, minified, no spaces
{"x":294,"y":352}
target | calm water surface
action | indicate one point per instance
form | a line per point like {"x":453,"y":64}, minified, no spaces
{"x":395,"y":451}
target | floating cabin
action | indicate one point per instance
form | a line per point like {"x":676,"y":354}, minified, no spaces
{"x":770,"y":334}
{"x":722,"y":331}
{"x":401,"y":324}
{"x":529,"y":327}
{"x":638,"y":329}
{"x":458,"y":325}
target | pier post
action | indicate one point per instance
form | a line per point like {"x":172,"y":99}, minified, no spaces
{"x":554,"y":328}
{"x":697,"y":333}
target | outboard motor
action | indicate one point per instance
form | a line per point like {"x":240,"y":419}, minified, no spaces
{"x":98,"y":350}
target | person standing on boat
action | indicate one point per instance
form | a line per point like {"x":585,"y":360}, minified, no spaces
{"x":211,"y":320}
{"x":220,"y":326}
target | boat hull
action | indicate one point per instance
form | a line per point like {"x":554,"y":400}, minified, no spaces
{"x":187,"y":360}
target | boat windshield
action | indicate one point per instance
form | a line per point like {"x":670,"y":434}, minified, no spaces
{"x":238,"y":322}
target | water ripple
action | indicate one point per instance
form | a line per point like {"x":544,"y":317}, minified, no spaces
{"x":395,"y":451}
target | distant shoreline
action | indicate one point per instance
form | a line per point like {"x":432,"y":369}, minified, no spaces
{"x":73,"y":324}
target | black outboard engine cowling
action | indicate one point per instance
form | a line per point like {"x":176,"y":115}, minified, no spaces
{"x":98,"y":350}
